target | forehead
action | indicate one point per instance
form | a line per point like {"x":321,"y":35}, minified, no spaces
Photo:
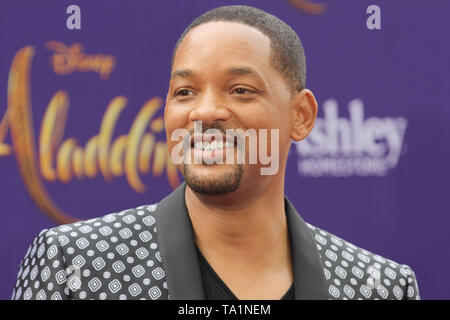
{"x":219,"y":43}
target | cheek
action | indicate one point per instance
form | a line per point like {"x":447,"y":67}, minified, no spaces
{"x":275,"y":116}
{"x":173,"y":120}
{"x":256,"y":116}
{"x":176,"y":116}
{"x":262,"y":118}
{"x":172,"y":115}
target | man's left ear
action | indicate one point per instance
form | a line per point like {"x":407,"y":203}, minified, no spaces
{"x":304,"y":111}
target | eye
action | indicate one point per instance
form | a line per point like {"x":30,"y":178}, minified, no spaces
{"x":183,"y":92}
{"x":241,"y":91}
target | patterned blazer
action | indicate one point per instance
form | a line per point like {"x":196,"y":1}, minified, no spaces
{"x":149,"y":253}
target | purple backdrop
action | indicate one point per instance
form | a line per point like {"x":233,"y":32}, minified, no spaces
{"x":374,"y":171}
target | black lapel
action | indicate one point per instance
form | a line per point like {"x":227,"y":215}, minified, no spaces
{"x":309,"y":278}
{"x":176,"y":242}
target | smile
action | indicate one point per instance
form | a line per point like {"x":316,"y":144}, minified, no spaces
{"x":212,"y":146}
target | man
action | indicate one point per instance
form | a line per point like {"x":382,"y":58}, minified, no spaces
{"x":228,"y":232}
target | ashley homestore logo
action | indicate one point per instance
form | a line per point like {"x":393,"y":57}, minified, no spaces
{"x":354,"y":146}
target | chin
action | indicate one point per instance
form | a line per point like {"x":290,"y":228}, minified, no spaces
{"x":213,"y":183}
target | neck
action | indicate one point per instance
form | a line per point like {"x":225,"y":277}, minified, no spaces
{"x":250,"y":234}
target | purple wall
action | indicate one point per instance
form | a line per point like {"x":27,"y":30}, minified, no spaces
{"x":374,"y":171}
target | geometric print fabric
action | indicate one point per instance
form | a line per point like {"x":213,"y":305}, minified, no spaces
{"x":354,"y":273}
{"x":111,"y":257}
{"x":117,"y":257}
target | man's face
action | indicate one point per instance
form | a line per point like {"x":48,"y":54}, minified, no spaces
{"x":222,"y":76}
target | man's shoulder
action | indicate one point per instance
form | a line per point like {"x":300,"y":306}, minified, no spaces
{"x":355,"y":273}
{"x":124,"y":223}
{"x":115,"y":256}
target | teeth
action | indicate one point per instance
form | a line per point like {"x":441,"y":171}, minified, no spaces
{"x":212,"y":145}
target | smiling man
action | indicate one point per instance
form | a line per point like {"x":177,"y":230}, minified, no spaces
{"x":228,"y":232}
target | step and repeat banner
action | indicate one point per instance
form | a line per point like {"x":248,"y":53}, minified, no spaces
{"x":82,"y":91}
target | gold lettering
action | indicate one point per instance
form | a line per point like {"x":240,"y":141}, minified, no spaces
{"x":22,"y":134}
{"x":5,"y":150}
{"x":135,"y":136}
{"x":145,"y":153}
{"x":64,"y":162}
{"x":52,"y":131}
{"x":117,"y":155}
{"x":78,"y":162}
{"x":90,"y":157}
{"x":129,"y":154}
{"x":106,"y":130}
{"x":160,"y":158}
{"x":66,"y":60}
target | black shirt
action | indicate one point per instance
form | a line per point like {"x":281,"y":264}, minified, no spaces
{"x":216,"y":289}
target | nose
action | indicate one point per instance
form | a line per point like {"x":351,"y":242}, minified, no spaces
{"x":210,"y":107}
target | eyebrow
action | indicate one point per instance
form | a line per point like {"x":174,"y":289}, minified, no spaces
{"x":185,"y":73}
{"x":239,"y":71}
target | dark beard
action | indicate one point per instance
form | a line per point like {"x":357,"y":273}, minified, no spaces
{"x":220,"y":185}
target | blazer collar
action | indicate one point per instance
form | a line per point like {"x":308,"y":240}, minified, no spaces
{"x":177,"y":246}
{"x":309,"y":277}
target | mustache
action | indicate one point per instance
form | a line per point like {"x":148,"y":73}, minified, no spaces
{"x":215,"y":125}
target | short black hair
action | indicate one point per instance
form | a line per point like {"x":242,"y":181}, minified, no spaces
{"x":288,"y":56}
